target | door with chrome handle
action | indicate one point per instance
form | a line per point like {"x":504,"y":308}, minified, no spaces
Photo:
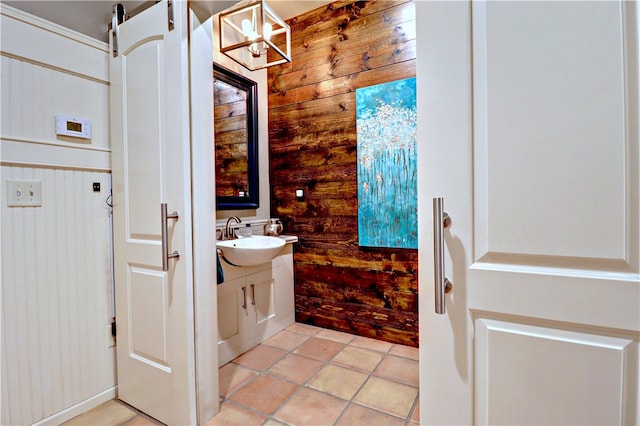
{"x":164,"y":217}
{"x":442,"y":284}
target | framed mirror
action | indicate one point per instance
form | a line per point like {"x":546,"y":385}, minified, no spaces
{"x":235,"y":118}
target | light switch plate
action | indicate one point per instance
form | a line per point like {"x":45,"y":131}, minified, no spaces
{"x":24,"y":193}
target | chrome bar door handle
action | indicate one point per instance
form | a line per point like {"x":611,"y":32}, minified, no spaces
{"x":164,"y":217}
{"x":253,"y":294}
{"x":442,"y":285}
{"x":244,"y":297}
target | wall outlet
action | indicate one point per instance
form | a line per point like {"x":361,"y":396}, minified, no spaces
{"x":24,"y":193}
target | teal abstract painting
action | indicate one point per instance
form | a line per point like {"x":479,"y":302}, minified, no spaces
{"x":386,"y":127}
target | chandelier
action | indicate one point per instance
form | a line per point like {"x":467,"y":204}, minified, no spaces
{"x":254,"y":36}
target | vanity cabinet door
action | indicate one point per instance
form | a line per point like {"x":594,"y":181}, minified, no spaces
{"x":261,"y":293}
{"x":232,"y":318}
{"x":246,"y":307}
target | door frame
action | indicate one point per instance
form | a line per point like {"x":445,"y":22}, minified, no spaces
{"x":203,"y":216}
{"x":438,"y":35}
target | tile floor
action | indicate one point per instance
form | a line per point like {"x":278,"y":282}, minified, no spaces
{"x":306,"y":375}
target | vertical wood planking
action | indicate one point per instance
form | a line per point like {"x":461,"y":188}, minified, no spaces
{"x":55,"y":295}
{"x":336,"y":49}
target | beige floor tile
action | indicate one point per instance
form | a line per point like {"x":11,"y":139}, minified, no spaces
{"x":405,"y":351}
{"x":231,"y":414}
{"x":296,"y":368}
{"x":110,"y":413}
{"x":398,"y":369}
{"x":310,"y":407}
{"x":264,"y":394}
{"x":358,"y":358}
{"x":260,"y":358}
{"x":387,"y":396}
{"x":272,"y":422}
{"x":309,"y":330}
{"x":321,"y":349}
{"x":358,"y":415}
{"x":338,"y":381}
{"x":231,"y":376}
{"x":141,"y":421}
{"x":286,"y":340}
{"x":336,"y":336}
{"x":373,"y":344}
{"x":415,"y":416}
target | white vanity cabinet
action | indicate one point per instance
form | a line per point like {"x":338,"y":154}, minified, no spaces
{"x":254,"y":303}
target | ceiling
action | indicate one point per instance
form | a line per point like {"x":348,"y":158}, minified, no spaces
{"x":93,"y":17}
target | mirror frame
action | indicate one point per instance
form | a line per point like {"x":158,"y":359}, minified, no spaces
{"x":251,"y":88}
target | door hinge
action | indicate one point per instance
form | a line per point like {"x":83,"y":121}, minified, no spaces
{"x":117,"y":18}
{"x":170,"y":17}
{"x":113,"y":327}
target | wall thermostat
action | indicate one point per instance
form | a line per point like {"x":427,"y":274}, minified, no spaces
{"x":67,"y":125}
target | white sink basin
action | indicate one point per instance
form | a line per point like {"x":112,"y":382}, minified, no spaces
{"x":250,"y":251}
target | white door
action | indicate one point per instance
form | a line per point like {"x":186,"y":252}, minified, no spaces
{"x":151,"y":166}
{"x":529,"y":132}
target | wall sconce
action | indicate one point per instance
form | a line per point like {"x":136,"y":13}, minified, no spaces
{"x":254,"y":35}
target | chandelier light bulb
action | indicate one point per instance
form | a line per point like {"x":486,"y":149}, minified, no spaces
{"x":246,"y":27}
{"x":267,"y":31}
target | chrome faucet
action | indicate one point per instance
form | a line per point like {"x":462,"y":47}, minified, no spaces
{"x":228,"y":231}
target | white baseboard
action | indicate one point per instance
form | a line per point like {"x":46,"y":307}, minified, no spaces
{"x":79,"y":408}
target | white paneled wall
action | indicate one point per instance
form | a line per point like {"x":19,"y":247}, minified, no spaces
{"x":56,"y":302}
{"x":41,"y":77}
{"x":57,"y":355}
{"x":57,"y":93}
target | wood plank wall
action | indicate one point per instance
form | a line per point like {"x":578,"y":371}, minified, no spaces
{"x":336,"y":49}
{"x":230,"y":127}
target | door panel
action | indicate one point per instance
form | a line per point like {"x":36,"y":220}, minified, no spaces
{"x":233,"y":314}
{"x":530,"y":134}
{"x":539,"y":164}
{"x":147,"y":320}
{"x":565,"y":363}
{"x":142,"y":144}
{"x":151,"y":165}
